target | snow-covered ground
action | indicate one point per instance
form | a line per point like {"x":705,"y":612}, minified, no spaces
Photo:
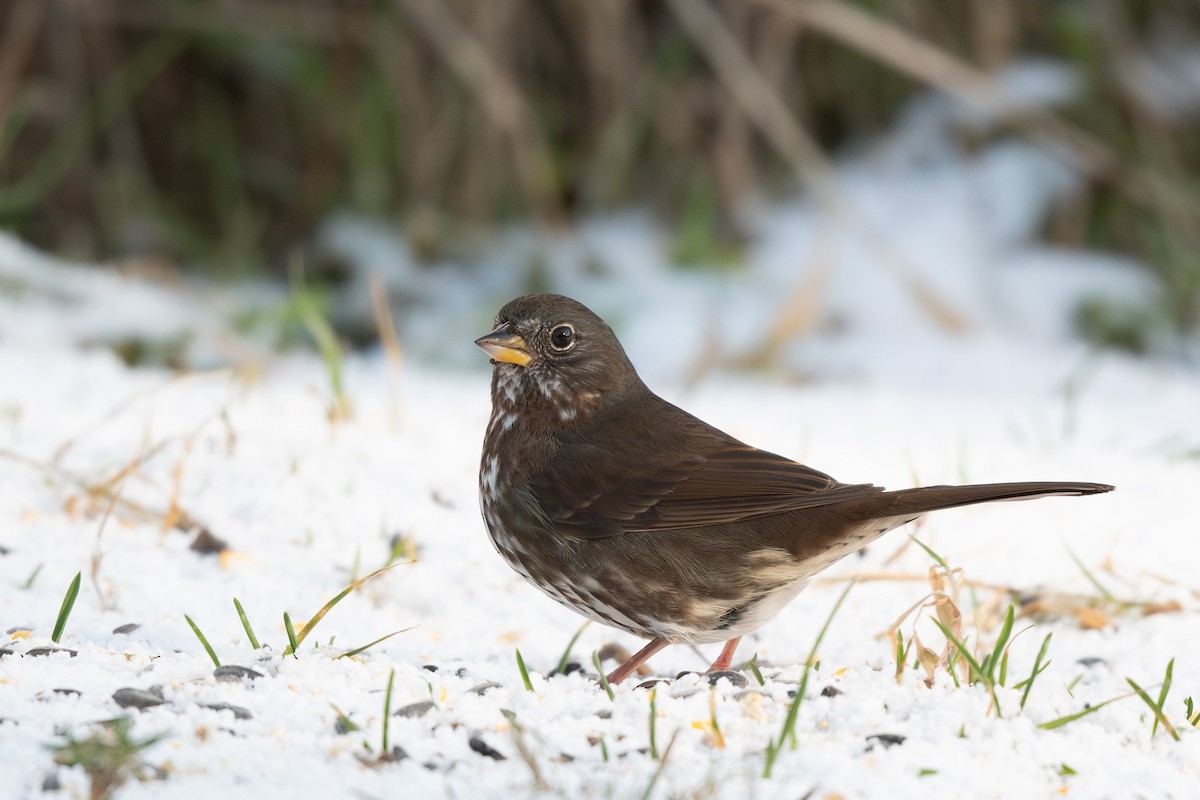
{"x":882,"y":383}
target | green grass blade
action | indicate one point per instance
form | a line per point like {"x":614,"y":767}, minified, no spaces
{"x":241,"y":612}
{"x":653,"y":723}
{"x":1061,"y":721}
{"x":771,"y":754}
{"x":1100,"y":587}
{"x":952,"y":668}
{"x":347,"y":724}
{"x":64,"y":611}
{"x":789,"y":723}
{"x":712,"y":713}
{"x":603,"y":678}
{"x":1159,"y":716}
{"x":28,"y":584}
{"x":662,"y":764}
{"x":384,"y":638}
{"x":325,"y":609}
{"x":976,"y":667}
{"x":1162,"y":695}
{"x":752,"y":665}
{"x":524,"y":672}
{"x":308,"y":309}
{"x":208,"y":648}
{"x":1037,"y":670}
{"x":293,"y":642}
{"x":1001,"y":642}
{"x":1193,"y":715}
{"x":387,"y":710}
{"x":941,"y":561}
{"x":566,"y":656}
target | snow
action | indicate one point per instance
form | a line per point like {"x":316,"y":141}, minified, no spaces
{"x":878,"y":390}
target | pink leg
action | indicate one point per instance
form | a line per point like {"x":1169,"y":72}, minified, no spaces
{"x":625,"y":670}
{"x":725,"y":660}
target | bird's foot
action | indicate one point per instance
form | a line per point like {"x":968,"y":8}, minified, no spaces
{"x":632,"y":663}
{"x":725,"y":661}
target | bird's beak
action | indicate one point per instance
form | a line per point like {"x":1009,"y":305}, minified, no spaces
{"x":503,"y":344}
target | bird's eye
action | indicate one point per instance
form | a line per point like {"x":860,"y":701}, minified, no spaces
{"x":562,"y":337}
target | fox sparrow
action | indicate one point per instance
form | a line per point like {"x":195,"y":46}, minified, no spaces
{"x":637,"y":515}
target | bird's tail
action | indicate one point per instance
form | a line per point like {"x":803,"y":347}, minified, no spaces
{"x":906,"y":504}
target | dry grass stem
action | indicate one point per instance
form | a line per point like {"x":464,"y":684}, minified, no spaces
{"x":935,"y":67}
{"x":382,"y":311}
{"x":763,"y":105}
{"x":498,"y":95}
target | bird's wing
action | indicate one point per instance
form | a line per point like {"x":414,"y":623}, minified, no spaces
{"x":729,"y":483}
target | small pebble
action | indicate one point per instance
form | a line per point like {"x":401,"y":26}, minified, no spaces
{"x":207,"y":543}
{"x":604,"y":713}
{"x":1091,"y":661}
{"x":415,"y":709}
{"x":18,"y":629}
{"x":51,"y":783}
{"x":886,"y":739}
{"x":138,"y":698}
{"x":830,"y":691}
{"x":45,"y":651}
{"x":128,"y":627}
{"x":232,"y":672}
{"x":430,"y":668}
{"x":485,"y":749}
{"x":572,"y":666}
{"x":483,"y":687}
{"x":75,"y":692}
{"x":733,"y":676}
{"x":238,"y":711}
{"x":397,"y":753}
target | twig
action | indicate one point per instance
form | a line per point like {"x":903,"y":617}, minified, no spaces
{"x":120,"y":407}
{"x":498,"y":95}
{"x":757,"y":97}
{"x":185,"y":522}
{"x":94,"y":572}
{"x":766,"y":109}
{"x":909,"y":55}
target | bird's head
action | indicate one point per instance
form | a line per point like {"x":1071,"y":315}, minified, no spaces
{"x":547,"y":347}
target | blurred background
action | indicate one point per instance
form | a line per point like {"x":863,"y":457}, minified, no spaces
{"x":443,"y":144}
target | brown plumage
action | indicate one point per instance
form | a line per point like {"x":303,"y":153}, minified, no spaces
{"x":638,"y":515}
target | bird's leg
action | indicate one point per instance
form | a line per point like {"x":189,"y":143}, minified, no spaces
{"x":634,"y":661}
{"x":725,"y":660}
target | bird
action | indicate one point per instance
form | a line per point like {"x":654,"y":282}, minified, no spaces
{"x":632,"y":512}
